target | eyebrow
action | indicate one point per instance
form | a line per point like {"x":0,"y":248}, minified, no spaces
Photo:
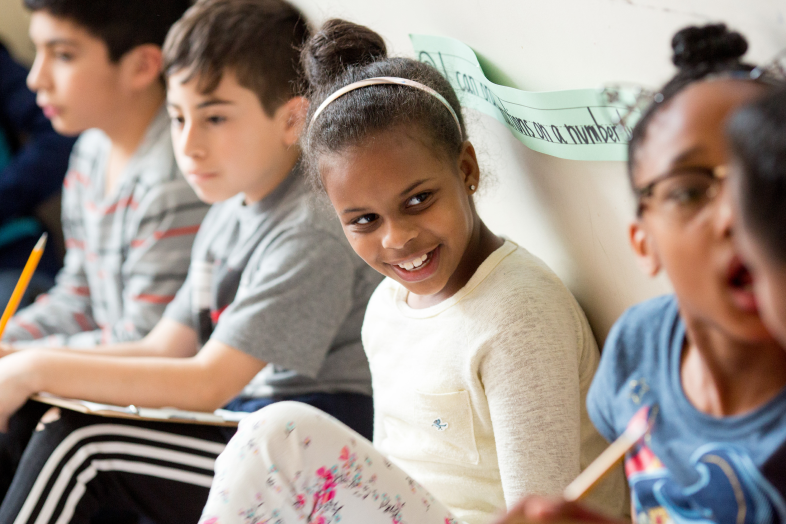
{"x":687,"y":154}
{"x":413,"y":186}
{"x":206,"y":103}
{"x":353,"y":210}
{"x":214,"y":102}
{"x":403,"y":193}
{"x":60,"y":41}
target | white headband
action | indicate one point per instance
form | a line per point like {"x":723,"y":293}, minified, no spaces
{"x":386,"y":80}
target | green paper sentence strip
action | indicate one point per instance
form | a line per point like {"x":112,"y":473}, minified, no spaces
{"x":572,"y":124}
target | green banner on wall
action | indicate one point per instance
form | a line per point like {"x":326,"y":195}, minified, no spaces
{"x":572,"y":124}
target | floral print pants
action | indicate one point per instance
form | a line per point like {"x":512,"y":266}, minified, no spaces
{"x":291,"y":463}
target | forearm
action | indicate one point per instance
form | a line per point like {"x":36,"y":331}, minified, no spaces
{"x":167,"y":339}
{"x":138,"y":348}
{"x":144,"y":381}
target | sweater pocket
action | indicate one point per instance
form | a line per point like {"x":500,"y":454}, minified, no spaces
{"x":446,"y":419}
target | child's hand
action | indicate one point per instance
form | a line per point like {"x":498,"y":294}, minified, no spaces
{"x":14,"y":388}
{"x":541,"y":509}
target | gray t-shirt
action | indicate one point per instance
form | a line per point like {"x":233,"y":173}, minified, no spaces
{"x":278,"y":280}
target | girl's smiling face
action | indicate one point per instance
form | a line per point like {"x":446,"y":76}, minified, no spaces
{"x":406,"y":209}
{"x":685,"y":229}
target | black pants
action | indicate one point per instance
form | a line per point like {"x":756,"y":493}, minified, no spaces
{"x":74,"y":466}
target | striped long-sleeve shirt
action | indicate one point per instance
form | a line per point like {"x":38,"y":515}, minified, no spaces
{"x":127,"y":253}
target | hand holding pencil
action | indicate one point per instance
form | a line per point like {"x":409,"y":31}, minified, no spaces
{"x":12,"y":396}
{"x":536,"y":508}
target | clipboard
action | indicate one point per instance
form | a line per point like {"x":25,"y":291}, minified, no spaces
{"x":219,"y":417}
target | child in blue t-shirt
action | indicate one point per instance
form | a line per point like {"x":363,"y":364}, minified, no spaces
{"x":700,"y":360}
{"x":701,"y":357}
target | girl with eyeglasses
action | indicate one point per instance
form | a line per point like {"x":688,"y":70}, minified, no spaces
{"x":700,"y":362}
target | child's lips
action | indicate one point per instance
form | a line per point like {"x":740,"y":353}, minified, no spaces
{"x":740,"y":283}
{"x":422,"y":272}
{"x":50,"y":111}
{"x":199,"y":177}
{"x":745,"y":301}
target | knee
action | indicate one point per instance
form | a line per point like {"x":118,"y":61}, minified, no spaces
{"x":285,"y":429}
{"x":59,"y":423}
{"x":266,"y":436}
{"x":282,"y":419}
{"x":52,"y":415}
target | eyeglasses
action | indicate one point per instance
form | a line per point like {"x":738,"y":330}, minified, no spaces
{"x":682,"y":192}
{"x":627,"y":102}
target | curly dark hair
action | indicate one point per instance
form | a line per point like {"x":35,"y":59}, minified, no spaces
{"x":342,"y":53}
{"x":698,"y":52}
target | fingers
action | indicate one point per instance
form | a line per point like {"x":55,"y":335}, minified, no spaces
{"x":542,"y":509}
{"x":530,"y":509}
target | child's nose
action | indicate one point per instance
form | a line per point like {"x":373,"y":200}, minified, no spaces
{"x":190,"y":142}
{"x":724,"y":213}
{"x":37,"y":78}
{"x":398,"y":233}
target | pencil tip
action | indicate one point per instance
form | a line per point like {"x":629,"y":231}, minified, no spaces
{"x":41,"y":241}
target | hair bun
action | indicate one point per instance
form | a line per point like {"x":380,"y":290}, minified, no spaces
{"x":338,"y":46}
{"x":710,"y":44}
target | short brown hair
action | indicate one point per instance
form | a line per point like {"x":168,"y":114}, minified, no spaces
{"x":122,"y":26}
{"x":258,"y":40}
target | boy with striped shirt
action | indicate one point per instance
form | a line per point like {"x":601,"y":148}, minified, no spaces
{"x":129,"y":216}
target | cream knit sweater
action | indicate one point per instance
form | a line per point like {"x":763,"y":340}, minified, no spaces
{"x":481,"y":398}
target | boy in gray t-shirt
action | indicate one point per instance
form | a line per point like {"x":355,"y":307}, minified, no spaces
{"x":271,"y":308}
{"x":286,"y":288}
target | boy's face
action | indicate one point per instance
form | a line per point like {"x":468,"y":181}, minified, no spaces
{"x":683,"y":229}
{"x":75,"y":82}
{"x":224,"y":141}
{"x":769,"y":275}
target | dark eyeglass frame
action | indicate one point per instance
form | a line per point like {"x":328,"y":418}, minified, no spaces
{"x":718,"y":174}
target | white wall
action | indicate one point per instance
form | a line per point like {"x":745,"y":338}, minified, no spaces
{"x":13,"y":29}
{"x":572,"y":214}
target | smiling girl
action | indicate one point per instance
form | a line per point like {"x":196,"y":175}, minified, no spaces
{"x":480,"y":357}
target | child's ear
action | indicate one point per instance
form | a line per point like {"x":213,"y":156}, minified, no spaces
{"x":468,"y":167}
{"x":643,"y":248}
{"x":143,"y":65}
{"x":293,"y":114}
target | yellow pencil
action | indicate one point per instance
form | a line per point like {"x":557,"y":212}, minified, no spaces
{"x":24,"y":280}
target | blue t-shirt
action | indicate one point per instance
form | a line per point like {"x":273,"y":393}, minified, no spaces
{"x":692,"y":467}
